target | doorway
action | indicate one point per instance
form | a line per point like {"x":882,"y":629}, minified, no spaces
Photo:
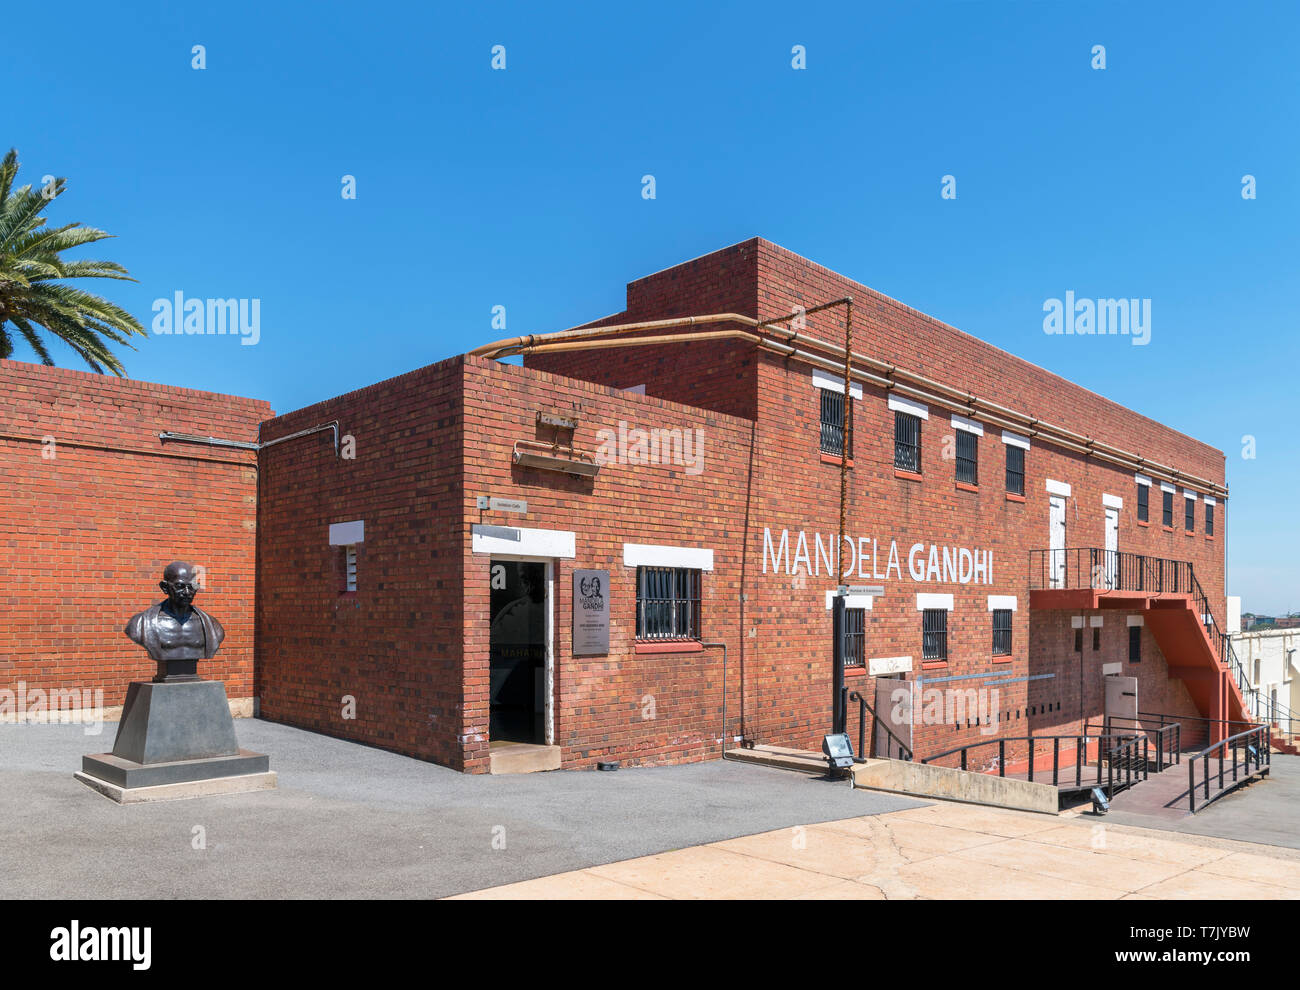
{"x":1110,"y":569}
{"x":518,"y":652}
{"x":1056,"y":540}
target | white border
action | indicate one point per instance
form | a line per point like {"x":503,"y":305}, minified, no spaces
{"x":969,"y":425}
{"x":888,"y":665}
{"x":1015,"y":440}
{"x":516,"y":541}
{"x":1210,"y":500}
{"x":1167,"y":487}
{"x":1142,"y":479}
{"x":834,"y":383}
{"x":1058,"y":488}
{"x":1135,"y":620}
{"x":1096,"y":621}
{"x":345,"y":534}
{"x":899,"y":404}
{"x":924,"y":601}
{"x":650,"y":555}
{"x":1002,"y":601}
{"x":1192,"y":495}
{"x":1112,"y":501}
{"x":850,"y":601}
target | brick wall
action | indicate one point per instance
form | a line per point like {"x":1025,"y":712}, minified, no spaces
{"x":394,"y":645}
{"x":637,"y":707}
{"x":90,"y":517}
{"x":785,"y":630}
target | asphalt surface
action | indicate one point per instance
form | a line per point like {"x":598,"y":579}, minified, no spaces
{"x":352,"y":821}
{"x":1264,"y":810}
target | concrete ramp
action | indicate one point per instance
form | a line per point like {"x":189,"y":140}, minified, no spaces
{"x":945,"y":783}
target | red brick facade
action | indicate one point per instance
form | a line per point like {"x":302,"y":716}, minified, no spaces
{"x":92,"y":508}
{"x":402,"y":662}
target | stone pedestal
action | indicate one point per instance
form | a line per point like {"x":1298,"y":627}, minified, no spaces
{"x":175,"y":740}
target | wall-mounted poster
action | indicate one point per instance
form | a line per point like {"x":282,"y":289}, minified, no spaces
{"x":590,"y":613}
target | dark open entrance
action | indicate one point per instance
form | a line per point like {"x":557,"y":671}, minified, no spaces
{"x":517,"y":651}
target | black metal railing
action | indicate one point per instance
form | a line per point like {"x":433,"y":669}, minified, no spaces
{"x":1166,"y":736}
{"x":1115,"y":570}
{"x":1122,"y":759}
{"x":892,"y":744}
{"x":1194,"y":731}
{"x":1250,"y":747}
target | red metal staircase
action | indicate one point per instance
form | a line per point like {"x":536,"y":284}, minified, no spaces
{"x":1174,"y":607}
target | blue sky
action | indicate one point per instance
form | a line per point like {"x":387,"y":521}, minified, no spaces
{"x":522,"y":187}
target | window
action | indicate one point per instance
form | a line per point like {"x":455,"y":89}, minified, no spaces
{"x":832,"y":423}
{"x":1167,"y":509}
{"x":907,"y":442}
{"x":667,"y":603}
{"x":349,"y":568}
{"x":967,"y":458}
{"x":1189,"y":514}
{"x":1209,"y":518}
{"x":855,"y":637}
{"x":934,"y":634}
{"x":1078,"y":640}
{"x":1015,"y":470}
{"x":1134,"y":644}
{"x":1144,"y":503}
{"x":1002,"y":632}
{"x":1096,"y":638}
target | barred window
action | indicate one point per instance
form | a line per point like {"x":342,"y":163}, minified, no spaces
{"x":907,"y":442}
{"x":1189,"y":514}
{"x":1209,"y":518}
{"x":832,"y":423}
{"x":934,"y":634}
{"x":1167,"y":509}
{"x":855,"y":637}
{"x":1144,"y":503}
{"x":1134,"y":644}
{"x":967,"y":458}
{"x":1096,"y":638}
{"x":1002,"y":632}
{"x":1015,"y":470}
{"x":667,"y":603}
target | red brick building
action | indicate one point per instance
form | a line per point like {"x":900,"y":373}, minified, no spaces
{"x":443,"y":558}
{"x":93,"y":506}
{"x":735,"y":547}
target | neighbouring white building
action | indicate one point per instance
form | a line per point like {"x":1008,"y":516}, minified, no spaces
{"x":1270,"y":659}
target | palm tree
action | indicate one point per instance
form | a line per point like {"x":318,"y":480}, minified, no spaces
{"x":32,"y":293}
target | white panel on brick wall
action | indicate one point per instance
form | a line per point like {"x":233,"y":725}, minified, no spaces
{"x":1015,"y":440}
{"x":834,"y":383}
{"x":1112,"y":501}
{"x":1058,"y":488}
{"x":345,"y":534}
{"x":1142,"y":479}
{"x":649,"y":555}
{"x":850,"y":601}
{"x":1002,"y":601}
{"x":900,"y":404}
{"x":521,"y":542}
{"x":967,"y":425}
{"x":1135,"y":620}
{"x":933,"y":601}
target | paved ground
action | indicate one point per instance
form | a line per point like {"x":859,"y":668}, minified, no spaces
{"x":1266,"y":810}
{"x":350,"y":821}
{"x":946,"y":851}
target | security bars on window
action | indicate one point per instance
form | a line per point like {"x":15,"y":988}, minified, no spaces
{"x":1002,"y":632}
{"x":1144,"y":499}
{"x":1209,"y":518}
{"x":967,"y":458}
{"x":855,"y":637}
{"x":934,"y":634}
{"x":1189,"y":514}
{"x":907,"y":442}
{"x":1167,"y":509}
{"x":832,"y":423}
{"x":667,"y":603}
{"x":1015,"y":470}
